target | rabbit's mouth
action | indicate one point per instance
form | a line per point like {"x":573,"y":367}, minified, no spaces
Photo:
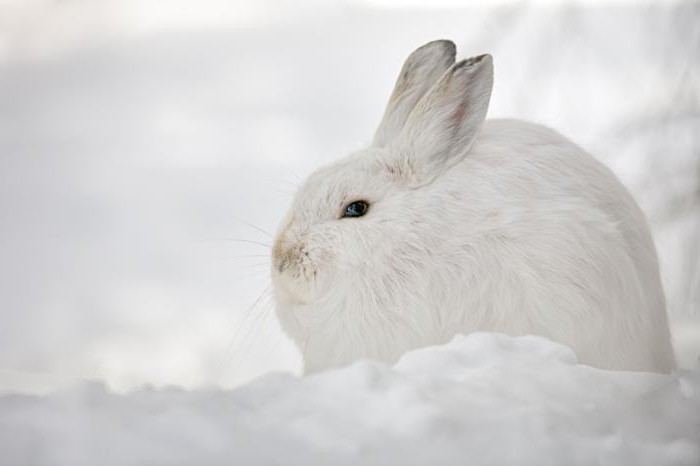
{"x":292,"y":277}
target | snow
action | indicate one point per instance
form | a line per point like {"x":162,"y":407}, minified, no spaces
{"x":481,"y":399}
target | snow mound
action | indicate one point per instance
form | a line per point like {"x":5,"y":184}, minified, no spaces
{"x":481,"y":399}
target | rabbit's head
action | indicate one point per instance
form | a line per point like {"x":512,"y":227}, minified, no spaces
{"x":347,"y":259}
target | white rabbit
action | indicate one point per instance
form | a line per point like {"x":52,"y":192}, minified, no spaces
{"x":451,"y":224}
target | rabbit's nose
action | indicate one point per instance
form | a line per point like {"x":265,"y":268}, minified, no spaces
{"x":282,"y":264}
{"x":278,"y":261}
{"x":281,"y":256}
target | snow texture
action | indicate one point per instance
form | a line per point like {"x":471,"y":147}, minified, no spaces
{"x":481,"y":399}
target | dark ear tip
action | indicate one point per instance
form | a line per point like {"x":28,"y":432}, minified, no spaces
{"x":473,"y":61}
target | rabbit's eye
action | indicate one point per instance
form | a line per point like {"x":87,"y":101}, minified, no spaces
{"x":356,"y":209}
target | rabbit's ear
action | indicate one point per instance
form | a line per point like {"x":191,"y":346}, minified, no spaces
{"x":442,"y":127}
{"x":420,"y":71}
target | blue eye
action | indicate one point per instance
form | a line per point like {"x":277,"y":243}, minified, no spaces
{"x":356,"y":209}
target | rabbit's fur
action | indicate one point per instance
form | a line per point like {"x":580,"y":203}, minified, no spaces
{"x":473,"y":225}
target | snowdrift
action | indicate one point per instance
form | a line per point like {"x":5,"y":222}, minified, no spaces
{"x":481,"y":399}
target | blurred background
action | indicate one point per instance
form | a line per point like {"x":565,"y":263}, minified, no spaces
{"x":149,"y":148}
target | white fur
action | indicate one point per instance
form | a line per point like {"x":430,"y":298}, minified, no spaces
{"x":501,"y":226}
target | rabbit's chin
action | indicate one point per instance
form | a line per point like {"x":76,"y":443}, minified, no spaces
{"x":291,"y":291}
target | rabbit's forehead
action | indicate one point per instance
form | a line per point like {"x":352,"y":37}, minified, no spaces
{"x":342,"y":179}
{"x":349,"y":179}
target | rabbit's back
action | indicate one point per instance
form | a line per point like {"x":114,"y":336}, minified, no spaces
{"x":555,"y":246}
